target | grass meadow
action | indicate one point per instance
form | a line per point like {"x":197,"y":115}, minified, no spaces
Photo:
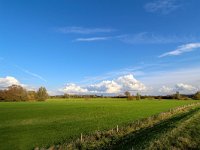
{"x":25,"y":125}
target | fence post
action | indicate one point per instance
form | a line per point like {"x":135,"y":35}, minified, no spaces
{"x":81,"y":137}
{"x":117,"y":128}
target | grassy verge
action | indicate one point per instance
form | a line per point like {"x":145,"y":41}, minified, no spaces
{"x":185,"y":135}
{"x":136,"y":135}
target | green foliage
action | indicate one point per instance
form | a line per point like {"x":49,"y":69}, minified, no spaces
{"x":42,"y":94}
{"x":197,"y":96}
{"x":26,"y":125}
{"x":31,"y":95}
{"x":17,"y":93}
{"x":131,"y":97}
{"x":14,"y":93}
{"x":138,"y":96}
{"x":127,"y":93}
{"x":177,"y":96}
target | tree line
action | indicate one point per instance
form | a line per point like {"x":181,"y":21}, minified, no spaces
{"x":17,"y":93}
{"x":127,"y":95}
{"x":176,"y":96}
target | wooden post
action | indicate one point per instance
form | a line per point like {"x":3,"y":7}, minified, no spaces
{"x":117,"y":128}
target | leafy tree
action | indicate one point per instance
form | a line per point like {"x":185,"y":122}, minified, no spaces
{"x":197,"y":95}
{"x":31,"y":95}
{"x":2,"y":95}
{"x":127,"y":93}
{"x":15,"y":93}
{"x":177,"y":95}
{"x":138,"y":96}
{"x":42,"y":94}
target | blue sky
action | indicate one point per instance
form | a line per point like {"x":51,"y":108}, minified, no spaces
{"x":93,"y":46}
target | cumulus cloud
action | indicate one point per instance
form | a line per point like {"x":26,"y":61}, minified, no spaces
{"x":8,"y":81}
{"x":73,"y":89}
{"x":166,"y":90}
{"x":181,"y":87}
{"x":185,"y":87}
{"x":105,"y":87}
{"x":129,"y":83}
{"x":182,"y":49}
{"x":115,"y":86}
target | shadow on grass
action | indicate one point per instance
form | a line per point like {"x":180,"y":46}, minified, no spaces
{"x":141,"y":139}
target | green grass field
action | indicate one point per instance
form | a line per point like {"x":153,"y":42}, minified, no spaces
{"x":25,"y":125}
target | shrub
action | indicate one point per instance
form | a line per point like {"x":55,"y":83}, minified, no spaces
{"x":197,"y":96}
{"x":130,"y":98}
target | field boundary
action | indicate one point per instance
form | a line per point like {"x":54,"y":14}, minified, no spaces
{"x":182,"y":136}
{"x":142,"y":138}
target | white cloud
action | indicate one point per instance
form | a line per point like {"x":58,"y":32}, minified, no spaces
{"x":129,"y":83}
{"x":181,"y":87}
{"x":185,"y":87}
{"x":150,"y":81}
{"x":157,"y":79}
{"x":162,"y":6}
{"x":182,"y":49}
{"x":135,"y":71}
{"x":166,"y":90}
{"x":91,"y":39}
{"x":82,"y":30}
{"x":115,"y":86}
{"x":191,"y":75}
{"x":108,"y":87}
{"x":73,"y":89}
{"x":8,"y":81}
{"x":52,"y":92}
